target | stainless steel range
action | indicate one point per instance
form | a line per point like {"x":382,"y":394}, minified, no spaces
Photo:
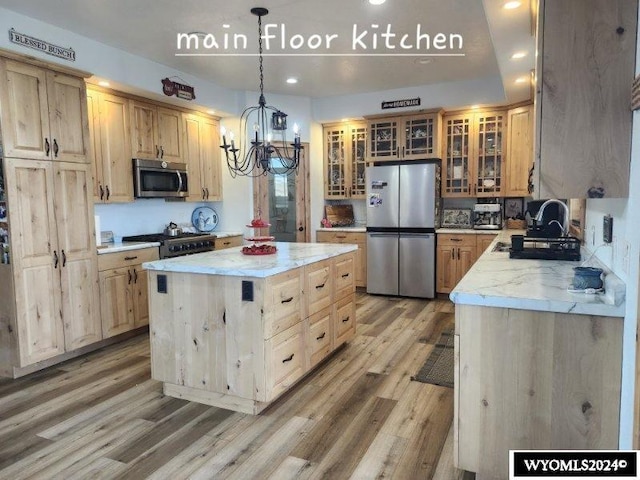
{"x":176,"y":246}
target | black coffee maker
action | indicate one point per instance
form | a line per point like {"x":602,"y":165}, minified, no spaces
{"x":543,"y":228}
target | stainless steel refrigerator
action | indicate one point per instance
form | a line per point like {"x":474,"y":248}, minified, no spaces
{"x":401,"y":214}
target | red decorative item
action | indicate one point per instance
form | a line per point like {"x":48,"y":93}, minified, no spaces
{"x":263,"y":249}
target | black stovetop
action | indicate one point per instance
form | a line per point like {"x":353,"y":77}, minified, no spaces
{"x":161,"y":237}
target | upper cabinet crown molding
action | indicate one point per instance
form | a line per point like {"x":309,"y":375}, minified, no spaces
{"x":586,"y":63}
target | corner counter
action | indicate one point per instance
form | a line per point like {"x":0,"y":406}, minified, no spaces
{"x":536,"y":367}
{"x":237,"y":331}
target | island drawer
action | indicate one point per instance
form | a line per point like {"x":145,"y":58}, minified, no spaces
{"x":283,"y":302}
{"x":227,"y":242}
{"x":341,"y":237}
{"x":345,"y":320}
{"x":107,"y":261}
{"x":284,"y":360}
{"x":319,"y":284}
{"x":344,"y":276}
{"x":318,"y":333}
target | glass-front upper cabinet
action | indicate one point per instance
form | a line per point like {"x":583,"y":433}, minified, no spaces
{"x":488,"y":170}
{"x":407,"y":137}
{"x":344,"y":160}
{"x":456,"y":159}
{"x":473,"y":155}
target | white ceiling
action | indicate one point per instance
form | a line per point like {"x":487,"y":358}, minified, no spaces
{"x":149,"y":28}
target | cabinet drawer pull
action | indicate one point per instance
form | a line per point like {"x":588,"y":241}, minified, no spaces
{"x":130,"y":258}
{"x":286,"y":300}
{"x":346,"y":319}
{"x":341,"y":236}
{"x":345,"y":275}
{"x":455,"y":239}
{"x":321,"y":336}
{"x":227,"y":243}
{"x":318,"y":287}
{"x":288,"y":359}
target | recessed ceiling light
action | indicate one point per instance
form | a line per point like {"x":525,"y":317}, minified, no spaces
{"x":521,"y":80}
{"x":518,"y":55}
{"x":292,"y":80}
{"x":377,"y":2}
{"x":103,"y":83}
{"x":211,"y":112}
{"x":475,"y":106}
{"x":511,"y":5}
{"x":345,"y":119}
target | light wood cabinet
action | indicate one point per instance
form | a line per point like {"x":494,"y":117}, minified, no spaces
{"x":344,"y":160}
{"x":248,"y":352}
{"x":54,"y":265}
{"x":473,"y":154}
{"x":519,"y":160}
{"x":455,"y":254}
{"x":202,"y":155}
{"x":43,"y":115}
{"x":483,"y":240}
{"x":227,"y":242}
{"x":407,"y":137}
{"x":583,"y":119}
{"x":533,"y":380}
{"x":123,"y":290}
{"x":110,"y":147}
{"x":156,"y":132}
{"x":357,"y":238}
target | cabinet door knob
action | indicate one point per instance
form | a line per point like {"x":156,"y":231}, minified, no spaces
{"x":301,"y":228}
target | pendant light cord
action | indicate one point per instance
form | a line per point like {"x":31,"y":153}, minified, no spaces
{"x":261,"y":69}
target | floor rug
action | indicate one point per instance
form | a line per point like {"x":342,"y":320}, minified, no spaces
{"x":438,"y":369}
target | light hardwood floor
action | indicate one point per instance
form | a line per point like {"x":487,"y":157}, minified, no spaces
{"x":357,"y":416}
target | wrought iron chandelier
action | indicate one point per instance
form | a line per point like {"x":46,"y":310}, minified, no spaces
{"x":257,"y":154}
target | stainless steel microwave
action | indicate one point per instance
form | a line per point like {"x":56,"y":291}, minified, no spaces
{"x":159,"y":179}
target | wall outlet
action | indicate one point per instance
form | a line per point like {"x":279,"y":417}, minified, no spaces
{"x":607,"y":229}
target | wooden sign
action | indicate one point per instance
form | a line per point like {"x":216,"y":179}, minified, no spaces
{"x":409,"y":102}
{"x":41,"y":45}
{"x":180,"y":90}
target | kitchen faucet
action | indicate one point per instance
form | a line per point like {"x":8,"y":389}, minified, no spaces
{"x":565,"y":223}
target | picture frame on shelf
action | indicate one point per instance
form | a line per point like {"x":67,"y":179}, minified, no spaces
{"x":514,"y":207}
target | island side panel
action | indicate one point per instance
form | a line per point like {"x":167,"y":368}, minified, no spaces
{"x":534,"y":380}
{"x":188,"y":331}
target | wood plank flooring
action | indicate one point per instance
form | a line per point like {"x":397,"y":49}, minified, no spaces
{"x":357,"y":416}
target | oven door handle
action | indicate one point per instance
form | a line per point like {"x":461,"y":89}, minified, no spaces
{"x":179,"y":181}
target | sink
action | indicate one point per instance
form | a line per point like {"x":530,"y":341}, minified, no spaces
{"x":501,"y":247}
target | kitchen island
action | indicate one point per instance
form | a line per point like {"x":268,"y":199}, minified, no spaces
{"x":236,"y":331}
{"x":536,"y":367}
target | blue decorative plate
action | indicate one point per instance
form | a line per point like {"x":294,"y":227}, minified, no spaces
{"x":205,"y":219}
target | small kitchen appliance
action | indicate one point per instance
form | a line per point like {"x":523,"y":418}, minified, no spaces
{"x":487,"y":216}
{"x":178,"y":245}
{"x":159,"y":179}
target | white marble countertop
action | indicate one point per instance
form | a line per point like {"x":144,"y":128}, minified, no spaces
{"x":226,"y":234}
{"x":232,"y":262}
{"x":123,"y":246}
{"x":496,"y":280}
{"x":343,"y":229}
